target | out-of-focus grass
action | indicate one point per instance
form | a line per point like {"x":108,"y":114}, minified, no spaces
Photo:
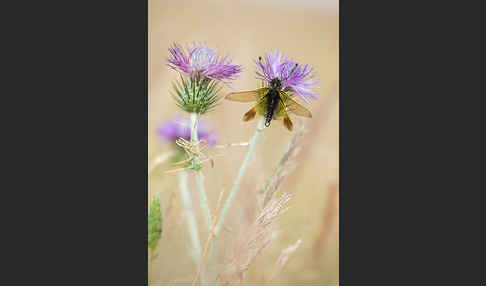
{"x":307,"y":32}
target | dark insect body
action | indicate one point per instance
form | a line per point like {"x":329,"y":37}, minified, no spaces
{"x":271,"y":102}
{"x":273,"y":98}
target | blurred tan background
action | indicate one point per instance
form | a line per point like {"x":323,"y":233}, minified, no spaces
{"x":308,"y":32}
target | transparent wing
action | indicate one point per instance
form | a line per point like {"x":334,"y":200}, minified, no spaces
{"x":281,"y":113}
{"x":247,"y":96}
{"x":294,"y":107}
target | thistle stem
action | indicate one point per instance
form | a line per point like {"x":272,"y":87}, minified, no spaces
{"x":191,"y":218}
{"x":241,"y":173}
{"x":199,"y":178}
{"x":208,"y":244}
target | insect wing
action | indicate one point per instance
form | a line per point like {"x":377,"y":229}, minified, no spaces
{"x":281,"y":113}
{"x":250,"y":114}
{"x":280,"y":110}
{"x":294,"y":107}
{"x":288,"y":123}
{"x":247,"y":96}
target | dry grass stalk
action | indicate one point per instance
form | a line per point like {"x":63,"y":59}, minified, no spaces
{"x":208,"y":241}
{"x":193,"y":150}
{"x":286,"y":164}
{"x":196,"y":150}
{"x":159,"y":160}
{"x":317,"y":123}
{"x":284,"y":257}
{"x":253,"y":241}
{"x":232,"y":145}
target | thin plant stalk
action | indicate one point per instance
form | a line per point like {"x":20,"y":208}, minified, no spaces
{"x":241,"y":173}
{"x":272,"y":177}
{"x":199,"y":178}
{"x":232,"y":145}
{"x":191,"y":218}
{"x":159,"y":160}
{"x":208,"y":244}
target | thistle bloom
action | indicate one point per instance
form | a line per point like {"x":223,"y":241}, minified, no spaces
{"x":293,"y":76}
{"x":180,"y":127}
{"x":202,"y":61}
{"x":201,"y":70}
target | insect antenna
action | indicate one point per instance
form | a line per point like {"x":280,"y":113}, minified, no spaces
{"x":292,"y":72}
{"x":260,"y":60}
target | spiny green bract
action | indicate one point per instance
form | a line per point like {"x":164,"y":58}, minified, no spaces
{"x":154,"y":223}
{"x":196,"y":95}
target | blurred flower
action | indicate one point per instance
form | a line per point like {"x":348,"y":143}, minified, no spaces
{"x":293,"y":76}
{"x":201,"y":61}
{"x":180,"y":127}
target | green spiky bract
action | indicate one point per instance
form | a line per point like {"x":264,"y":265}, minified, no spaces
{"x":154,"y":223}
{"x":196,"y":94}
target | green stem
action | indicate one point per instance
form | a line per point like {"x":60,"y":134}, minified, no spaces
{"x":191,"y":218}
{"x":241,"y":173}
{"x":199,"y":178}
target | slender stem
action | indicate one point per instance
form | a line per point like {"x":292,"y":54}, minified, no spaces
{"x":159,"y":160}
{"x":267,"y":183}
{"x":241,"y":173}
{"x":191,"y":218}
{"x":232,"y":144}
{"x":208,"y":241}
{"x":204,"y":198}
{"x":199,"y":178}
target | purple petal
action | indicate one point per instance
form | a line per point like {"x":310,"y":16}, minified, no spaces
{"x":293,"y":76}
{"x":204,"y":61}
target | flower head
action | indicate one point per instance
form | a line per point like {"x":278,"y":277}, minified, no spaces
{"x":293,"y":76}
{"x":202,"y":61}
{"x":179,"y":127}
{"x":201,"y":70}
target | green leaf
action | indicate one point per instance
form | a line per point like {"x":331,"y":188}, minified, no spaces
{"x":154,"y":223}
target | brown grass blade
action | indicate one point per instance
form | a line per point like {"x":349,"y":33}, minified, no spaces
{"x":252,"y":242}
{"x":285,"y":166}
{"x":284,"y":257}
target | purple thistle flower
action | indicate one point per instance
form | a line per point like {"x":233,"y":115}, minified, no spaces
{"x":296,"y":78}
{"x":179,"y":126}
{"x":202,"y":61}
